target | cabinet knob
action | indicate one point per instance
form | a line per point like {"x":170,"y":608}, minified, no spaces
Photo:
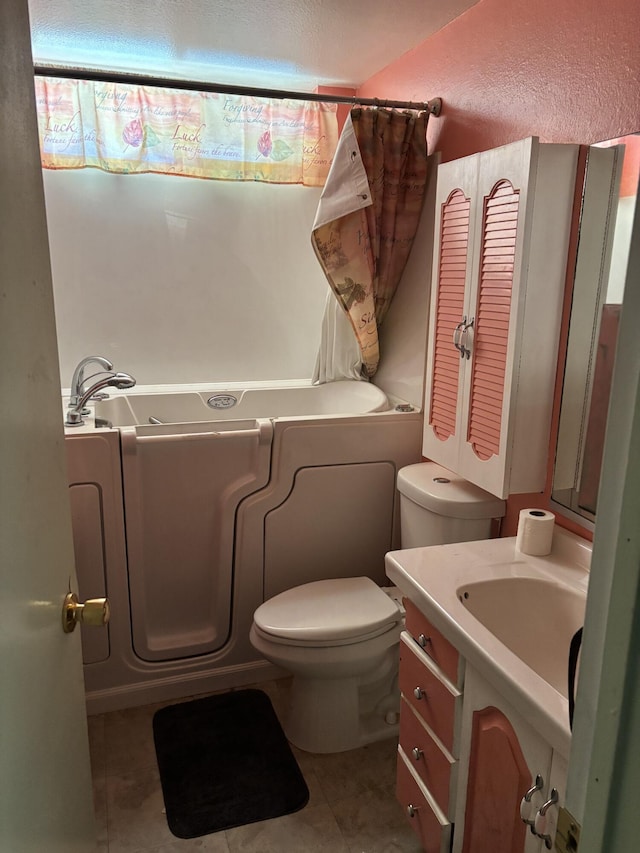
{"x":419,"y":693}
{"x":412,"y":810}
{"x":417,"y":753}
{"x":423,"y":641}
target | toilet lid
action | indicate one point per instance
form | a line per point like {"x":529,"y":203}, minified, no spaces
{"x":340,"y":609}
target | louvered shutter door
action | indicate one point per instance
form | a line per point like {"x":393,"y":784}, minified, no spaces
{"x":491,"y":326}
{"x":454,"y":242}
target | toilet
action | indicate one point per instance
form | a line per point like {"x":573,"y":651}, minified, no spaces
{"x":339,"y":638}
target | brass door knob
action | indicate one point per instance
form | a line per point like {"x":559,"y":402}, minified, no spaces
{"x":94,"y":611}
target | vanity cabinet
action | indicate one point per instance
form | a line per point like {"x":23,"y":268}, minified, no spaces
{"x":468,"y":761}
{"x":503,"y":222}
{"x":430,"y":677}
{"x":507,"y":774}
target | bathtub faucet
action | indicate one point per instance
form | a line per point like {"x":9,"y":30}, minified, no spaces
{"x":78,"y":376}
{"x":116,"y":380}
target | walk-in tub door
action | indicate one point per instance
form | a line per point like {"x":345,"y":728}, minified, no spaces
{"x":182,"y":484}
{"x":336,"y":522}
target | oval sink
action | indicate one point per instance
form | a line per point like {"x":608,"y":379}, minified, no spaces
{"x":534,"y":618}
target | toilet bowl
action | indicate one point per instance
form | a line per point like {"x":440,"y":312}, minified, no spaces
{"x":340,"y":638}
{"x":340,"y":641}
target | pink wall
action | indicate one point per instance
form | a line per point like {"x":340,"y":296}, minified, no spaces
{"x":563,"y":70}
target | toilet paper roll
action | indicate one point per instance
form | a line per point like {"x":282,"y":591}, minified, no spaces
{"x":535,"y":532}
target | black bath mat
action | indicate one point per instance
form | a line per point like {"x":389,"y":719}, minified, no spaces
{"x":224,"y":761}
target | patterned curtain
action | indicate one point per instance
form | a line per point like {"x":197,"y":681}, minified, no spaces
{"x":129,"y":129}
{"x":365,"y":226}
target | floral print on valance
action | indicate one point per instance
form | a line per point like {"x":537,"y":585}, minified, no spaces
{"x":130,"y":129}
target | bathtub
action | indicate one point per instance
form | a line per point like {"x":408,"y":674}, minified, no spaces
{"x":140,"y":407}
{"x":196,"y":504}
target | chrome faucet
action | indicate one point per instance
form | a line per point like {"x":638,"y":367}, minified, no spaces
{"x":78,"y":376}
{"x":117,"y":380}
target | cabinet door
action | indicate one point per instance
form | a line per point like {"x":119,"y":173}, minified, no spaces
{"x":500,"y":757}
{"x":455,"y":230}
{"x":503,"y":222}
{"x":496,"y":281}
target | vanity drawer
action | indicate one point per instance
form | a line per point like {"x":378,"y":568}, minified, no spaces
{"x":432,"y":642}
{"x":432,"y":764}
{"x":433,"y":699}
{"x":429,"y":824}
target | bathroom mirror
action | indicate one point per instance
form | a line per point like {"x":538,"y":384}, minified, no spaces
{"x":608,"y":203}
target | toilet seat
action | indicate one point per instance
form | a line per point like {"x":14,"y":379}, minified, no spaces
{"x":342,"y":611}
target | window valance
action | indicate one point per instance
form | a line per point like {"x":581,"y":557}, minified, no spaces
{"x":131,"y":129}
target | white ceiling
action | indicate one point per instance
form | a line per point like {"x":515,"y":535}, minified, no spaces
{"x":265,"y":43}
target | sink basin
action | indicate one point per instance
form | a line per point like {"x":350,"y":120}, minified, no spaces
{"x":534,"y":617}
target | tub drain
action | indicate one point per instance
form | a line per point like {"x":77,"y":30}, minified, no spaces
{"x":222,"y":401}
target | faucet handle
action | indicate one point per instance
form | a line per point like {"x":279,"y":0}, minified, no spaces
{"x":86,"y":380}
{"x":116,"y":380}
{"x":78,"y":379}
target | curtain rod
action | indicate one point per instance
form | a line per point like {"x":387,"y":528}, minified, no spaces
{"x":433,"y":106}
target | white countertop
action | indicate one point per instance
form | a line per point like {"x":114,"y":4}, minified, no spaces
{"x":431,"y":576}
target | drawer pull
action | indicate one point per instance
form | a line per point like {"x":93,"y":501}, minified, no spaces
{"x":419,"y":693}
{"x":540,"y":823}
{"x":417,"y":753}
{"x":423,"y":641}
{"x":412,"y":810}
{"x":525,"y":804}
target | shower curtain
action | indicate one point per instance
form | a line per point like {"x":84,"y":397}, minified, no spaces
{"x":363,"y":232}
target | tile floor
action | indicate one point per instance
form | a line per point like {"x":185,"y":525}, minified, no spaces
{"x":351,"y":809}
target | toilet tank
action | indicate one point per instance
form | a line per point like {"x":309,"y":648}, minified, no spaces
{"x":438,"y":507}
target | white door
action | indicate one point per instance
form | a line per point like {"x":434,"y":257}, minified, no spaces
{"x":45,"y":779}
